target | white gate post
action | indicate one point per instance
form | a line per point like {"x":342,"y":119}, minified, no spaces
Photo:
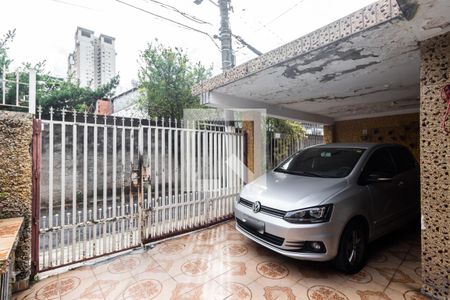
{"x":32,"y":92}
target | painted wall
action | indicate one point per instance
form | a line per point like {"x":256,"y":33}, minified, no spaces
{"x":15,"y":181}
{"x":435,"y":166}
{"x":401,"y":129}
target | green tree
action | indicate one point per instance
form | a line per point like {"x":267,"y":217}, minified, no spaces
{"x":166,"y":77}
{"x":285,"y":127}
{"x":56,"y":93}
{"x":50,"y":90}
{"x":7,"y":38}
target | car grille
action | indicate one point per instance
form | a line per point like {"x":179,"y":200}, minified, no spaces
{"x":264,"y":209}
{"x":263,"y":236}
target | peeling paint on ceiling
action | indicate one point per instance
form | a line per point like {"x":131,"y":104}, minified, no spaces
{"x":371,"y":71}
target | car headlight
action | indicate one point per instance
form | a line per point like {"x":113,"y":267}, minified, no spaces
{"x":318,"y":214}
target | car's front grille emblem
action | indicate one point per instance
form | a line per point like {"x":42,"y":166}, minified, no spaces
{"x":256,"y":206}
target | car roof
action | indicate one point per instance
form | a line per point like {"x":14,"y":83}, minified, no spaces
{"x":354,"y":145}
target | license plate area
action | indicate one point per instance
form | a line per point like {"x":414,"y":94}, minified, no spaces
{"x":254,"y":224}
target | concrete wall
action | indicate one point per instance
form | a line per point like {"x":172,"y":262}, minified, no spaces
{"x":435,"y":166}
{"x":401,"y":129}
{"x":15,"y":180}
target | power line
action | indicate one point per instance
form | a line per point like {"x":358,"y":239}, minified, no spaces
{"x":73,"y":4}
{"x":172,"y":21}
{"x":188,"y":16}
{"x":282,"y":14}
{"x":254,"y":28}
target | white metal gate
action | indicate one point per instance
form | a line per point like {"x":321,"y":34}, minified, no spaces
{"x":109,"y":184}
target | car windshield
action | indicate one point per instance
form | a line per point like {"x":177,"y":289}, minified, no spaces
{"x":322,"y":162}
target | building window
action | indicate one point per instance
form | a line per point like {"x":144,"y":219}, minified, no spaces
{"x":107,"y":40}
{"x":85,"y":34}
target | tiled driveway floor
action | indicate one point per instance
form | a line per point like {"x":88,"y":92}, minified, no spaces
{"x":220,"y":263}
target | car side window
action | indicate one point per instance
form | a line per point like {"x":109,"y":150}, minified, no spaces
{"x":403,"y":159}
{"x":380,"y":162}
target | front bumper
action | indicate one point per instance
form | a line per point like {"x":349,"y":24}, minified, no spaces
{"x":286,"y":238}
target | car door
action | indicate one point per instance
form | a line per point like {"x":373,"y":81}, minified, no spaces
{"x":407,"y":172}
{"x":384,"y":193}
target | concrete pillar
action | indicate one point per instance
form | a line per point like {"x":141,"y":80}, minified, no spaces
{"x":248,"y":127}
{"x":328,"y":134}
{"x":254,"y":127}
{"x":435,"y":167}
{"x":15,"y":183}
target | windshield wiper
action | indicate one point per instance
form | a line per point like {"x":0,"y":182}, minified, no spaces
{"x":284,"y":171}
{"x":309,"y":174}
{"x":305,"y":173}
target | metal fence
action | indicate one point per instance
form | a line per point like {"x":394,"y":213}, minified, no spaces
{"x":281,"y":146}
{"x":109,"y":184}
{"x":17,"y":93}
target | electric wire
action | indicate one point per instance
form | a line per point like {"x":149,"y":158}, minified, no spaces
{"x":186,"y":15}
{"x":72,"y":4}
{"x":280,"y":15}
{"x":171,"y":21}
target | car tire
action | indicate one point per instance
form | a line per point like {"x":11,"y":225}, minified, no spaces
{"x":351,"y":256}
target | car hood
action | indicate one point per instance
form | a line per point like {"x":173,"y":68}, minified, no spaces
{"x":290,"y":192}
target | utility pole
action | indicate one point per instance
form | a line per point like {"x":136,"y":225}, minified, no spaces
{"x":225,"y":36}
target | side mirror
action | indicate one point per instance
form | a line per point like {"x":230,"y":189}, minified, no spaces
{"x":378,"y":177}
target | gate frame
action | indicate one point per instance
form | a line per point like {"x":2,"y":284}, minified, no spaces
{"x":35,"y":202}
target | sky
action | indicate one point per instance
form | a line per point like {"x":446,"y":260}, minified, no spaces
{"x":45,"y":29}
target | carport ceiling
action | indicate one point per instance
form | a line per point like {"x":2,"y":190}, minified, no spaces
{"x":368,"y":71}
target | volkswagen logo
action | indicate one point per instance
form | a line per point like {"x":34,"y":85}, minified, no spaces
{"x":256,"y":206}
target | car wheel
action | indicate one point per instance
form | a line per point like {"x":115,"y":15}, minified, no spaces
{"x":351,"y":255}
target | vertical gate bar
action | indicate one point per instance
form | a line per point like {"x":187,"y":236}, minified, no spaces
{"x":85,"y":170}
{"x":188,"y":173}
{"x":4,"y":84}
{"x":193,"y":184}
{"x":105,"y":184}
{"x":50,"y":189}
{"x":204,"y":176}
{"x":231,"y":174}
{"x":193,"y":176}
{"x":214,"y":174}
{"x":176,"y":176}
{"x":17,"y":88}
{"x":226,"y":156}
{"x":131,"y":196}
{"x":182,"y":176}
{"x":94,"y":185}
{"x":74,"y":184}
{"x":157,"y":172}
{"x":238,"y":168}
{"x":163,"y":175}
{"x":242,"y":160}
{"x":149,"y":187}
{"x":233,"y":149}
{"x":122,"y":186}
{"x":230,"y":169}
{"x":210,"y":175}
{"x":220,"y":177}
{"x":169,"y":153}
{"x":193,"y":172}
{"x":198,"y":175}
{"x":114,"y":183}
{"x":35,"y":260}
{"x":140,"y":184}
{"x":272,"y":150}
{"x":225,"y":168}
{"x":63,"y":182}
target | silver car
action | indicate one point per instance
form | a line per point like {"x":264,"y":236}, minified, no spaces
{"x":328,"y":202}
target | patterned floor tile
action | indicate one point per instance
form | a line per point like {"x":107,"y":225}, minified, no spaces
{"x":220,"y":263}
{"x":242,"y":272}
{"x":114,"y":289}
{"x":207,"y":291}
